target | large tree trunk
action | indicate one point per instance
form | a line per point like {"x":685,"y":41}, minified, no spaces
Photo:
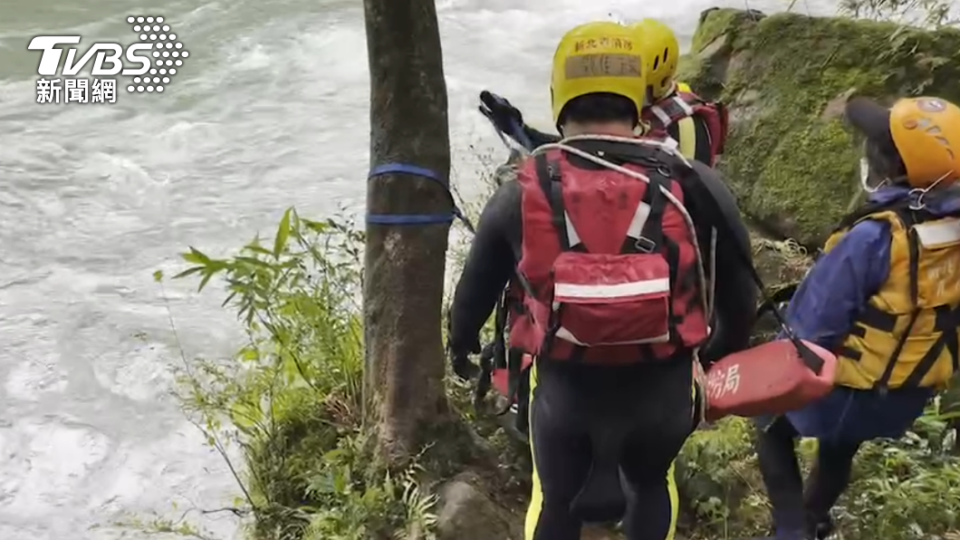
{"x":404,"y":266}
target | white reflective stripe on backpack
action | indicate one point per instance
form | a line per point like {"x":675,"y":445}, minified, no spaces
{"x":565,"y":335}
{"x":635,"y":231}
{"x":619,"y":290}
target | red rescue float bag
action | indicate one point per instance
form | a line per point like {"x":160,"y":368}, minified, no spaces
{"x":501,"y":377}
{"x":773,"y":378}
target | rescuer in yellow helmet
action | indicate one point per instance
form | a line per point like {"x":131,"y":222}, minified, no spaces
{"x":699,"y":126}
{"x":600,"y":235}
{"x":885,"y":298}
{"x":671,"y":109}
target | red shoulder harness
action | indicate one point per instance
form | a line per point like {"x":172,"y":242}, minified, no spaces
{"x":682,"y":105}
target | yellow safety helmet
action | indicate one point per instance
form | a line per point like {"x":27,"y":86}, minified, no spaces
{"x":662,"y":51}
{"x":925,"y":132}
{"x":597,"y":57}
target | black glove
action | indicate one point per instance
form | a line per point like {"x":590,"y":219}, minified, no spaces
{"x":460,"y":359}
{"x":463,"y":367}
{"x":504,"y":116}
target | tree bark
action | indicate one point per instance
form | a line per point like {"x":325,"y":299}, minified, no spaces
{"x":404,"y":265}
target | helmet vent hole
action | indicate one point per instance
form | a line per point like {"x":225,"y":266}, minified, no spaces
{"x":666,"y":55}
{"x":656,"y":62}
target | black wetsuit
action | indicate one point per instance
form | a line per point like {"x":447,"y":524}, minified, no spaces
{"x":651,"y":406}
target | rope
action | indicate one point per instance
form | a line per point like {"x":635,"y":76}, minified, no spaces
{"x":416,"y":219}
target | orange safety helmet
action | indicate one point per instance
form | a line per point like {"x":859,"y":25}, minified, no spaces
{"x":925,"y":132}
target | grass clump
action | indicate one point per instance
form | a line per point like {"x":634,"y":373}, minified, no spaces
{"x":908,"y":489}
{"x":291,"y":400}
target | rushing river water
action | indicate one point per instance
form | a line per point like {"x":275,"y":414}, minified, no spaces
{"x":270,"y":111}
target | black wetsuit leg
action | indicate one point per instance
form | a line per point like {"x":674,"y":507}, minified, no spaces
{"x":650,"y":406}
{"x":776,"y":453}
{"x":828,"y":479}
{"x":669,"y":411}
{"x":560,"y":445}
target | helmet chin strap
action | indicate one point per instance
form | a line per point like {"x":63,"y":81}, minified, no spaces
{"x":918,"y":193}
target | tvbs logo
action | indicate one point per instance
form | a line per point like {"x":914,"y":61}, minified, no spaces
{"x":151,"y":62}
{"x":106,"y":56}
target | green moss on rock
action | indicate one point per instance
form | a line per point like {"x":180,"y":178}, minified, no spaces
{"x":790,"y":158}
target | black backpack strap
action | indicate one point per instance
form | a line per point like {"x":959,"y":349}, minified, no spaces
{"x":809,"y":358}
{"x":913,"y":243}
{"x":493,"y":355}
{"x":777,"y":297}
{"x":650,"y":236}
{"x":514,"y":378}
{"x":486,"y":373}
{"x":551,"y":184}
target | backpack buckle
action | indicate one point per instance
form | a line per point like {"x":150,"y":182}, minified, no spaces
{"x":645,"y":245}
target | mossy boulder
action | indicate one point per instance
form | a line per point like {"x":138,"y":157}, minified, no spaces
{"x":790,"y":158}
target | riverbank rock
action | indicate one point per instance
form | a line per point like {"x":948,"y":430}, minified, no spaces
{"x":790,"y":159}
{"x":467,"y":513}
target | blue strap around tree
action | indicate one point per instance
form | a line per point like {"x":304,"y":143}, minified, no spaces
{"x":415,"y":219}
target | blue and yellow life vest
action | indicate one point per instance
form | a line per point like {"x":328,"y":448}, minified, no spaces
{"x":907,"y":335}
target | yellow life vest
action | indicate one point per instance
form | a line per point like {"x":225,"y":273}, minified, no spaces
{"x":907,"y":334}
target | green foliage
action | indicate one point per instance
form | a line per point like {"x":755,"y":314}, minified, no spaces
{"x":784,"y":79}
{"x":935,"y":13}
{"x":292,"y":398}
{"x":907,"y":489}
{"x":162,"y":526}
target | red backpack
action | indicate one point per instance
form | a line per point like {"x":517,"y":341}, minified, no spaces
{"x":680,"y":105}
{"x":610,"y":259}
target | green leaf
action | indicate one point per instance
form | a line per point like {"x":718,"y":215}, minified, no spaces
{"x":196,"y":257}
{"x":185,"y":273}
{"x":158,"y":276}
{"x":315,"y":226}
{"x":283,"y":233}
{"x":256,"y":248}
{"x":253,"y":261}
{"x":203,"y":282}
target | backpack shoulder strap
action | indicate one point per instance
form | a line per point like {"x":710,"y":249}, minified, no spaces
{"x":551,"y":184}
{"x":671,"y":110}
{"x":809,"y":358}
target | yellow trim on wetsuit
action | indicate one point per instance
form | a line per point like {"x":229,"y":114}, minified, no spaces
{"x":674,"y":495}
{"x":536,"y":497}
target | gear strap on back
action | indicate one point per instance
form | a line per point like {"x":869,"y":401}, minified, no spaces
{"x":492,"y":356}
{"x":809,"y":358}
